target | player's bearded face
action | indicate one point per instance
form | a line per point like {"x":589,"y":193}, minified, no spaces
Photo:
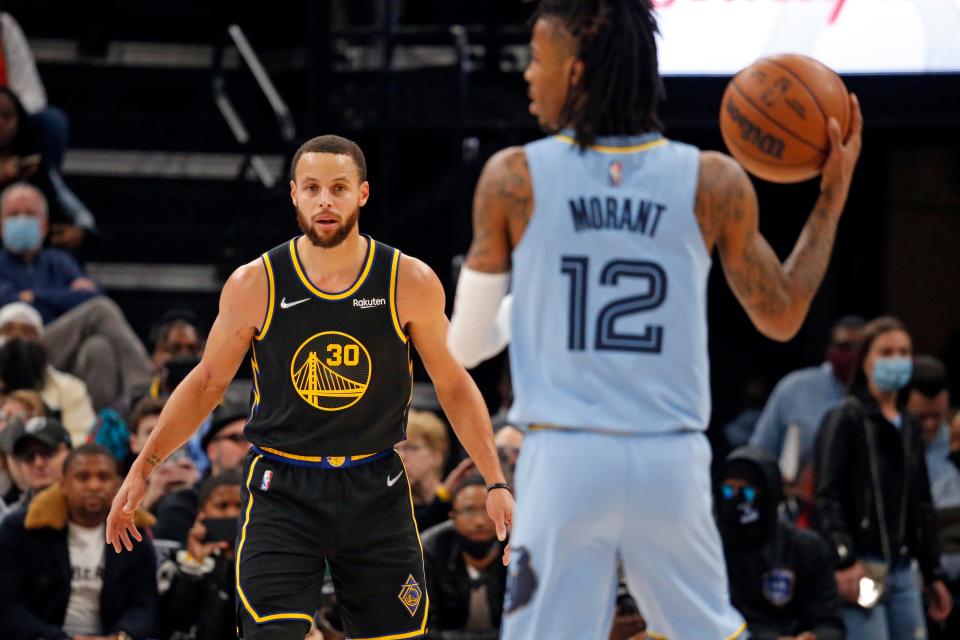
{"x":337,"y":233}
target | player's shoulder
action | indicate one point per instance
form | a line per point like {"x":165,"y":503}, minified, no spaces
{"x":804,"y":377}
{"x":719,"y":168}
{"x":510,"y":164}
{"x":247,"y":279}
{"x":416,"y":275}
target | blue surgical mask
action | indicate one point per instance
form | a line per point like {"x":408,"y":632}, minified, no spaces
{"x":21,"y":233}
{"x":892,"y":374}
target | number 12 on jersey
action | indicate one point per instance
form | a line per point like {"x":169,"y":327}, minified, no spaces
{"x":577,"y":268}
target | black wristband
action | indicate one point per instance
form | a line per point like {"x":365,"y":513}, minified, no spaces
{"x":499,"y":485}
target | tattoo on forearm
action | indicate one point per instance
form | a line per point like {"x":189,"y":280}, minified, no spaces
{"x":153,"y":459}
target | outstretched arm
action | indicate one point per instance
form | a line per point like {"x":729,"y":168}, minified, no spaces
{"x":776,"y":296}
{"x":420,"y":304}
{"x":242,"y":305}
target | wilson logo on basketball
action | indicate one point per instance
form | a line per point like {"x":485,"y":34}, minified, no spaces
{"x":767,"y":143}
{"x":331,"y":371}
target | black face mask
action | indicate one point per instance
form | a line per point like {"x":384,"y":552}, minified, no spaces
{"x":741,"y":517}
{"x":476,"y":550}
{"x":23,"y":364}
{"x":177,"y":369}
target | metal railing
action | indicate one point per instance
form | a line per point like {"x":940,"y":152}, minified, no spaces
{"x":288,"y":131}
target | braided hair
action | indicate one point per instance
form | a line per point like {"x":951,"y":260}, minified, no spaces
{"x":620,"y":88}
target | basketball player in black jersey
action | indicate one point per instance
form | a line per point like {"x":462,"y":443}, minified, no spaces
{"x":329,"y":316}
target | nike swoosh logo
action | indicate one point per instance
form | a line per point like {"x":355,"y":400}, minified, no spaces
{"x":286,"y":305}
{"x":393,"y":481}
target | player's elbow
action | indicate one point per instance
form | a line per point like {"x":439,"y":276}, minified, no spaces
{"x":780,"y":328}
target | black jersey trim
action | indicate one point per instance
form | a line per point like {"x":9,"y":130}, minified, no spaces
{"x":294,"y":257}
{"x":271,"y":288}
{"x":394,"y":277}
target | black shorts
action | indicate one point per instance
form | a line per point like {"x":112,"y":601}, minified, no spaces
{"x":358,"y":519}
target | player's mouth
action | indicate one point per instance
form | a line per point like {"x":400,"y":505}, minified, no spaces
{"x":326,"y":221}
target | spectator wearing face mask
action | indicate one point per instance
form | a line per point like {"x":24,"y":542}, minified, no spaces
{"x":781,"y":577}
{"x":23,"y":365}
{"x":197,"y":587}
{"x":86,"y":333}
{"x":466,"y":578}
{"x":873,"y":495}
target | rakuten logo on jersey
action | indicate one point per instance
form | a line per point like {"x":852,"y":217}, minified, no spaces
{"x":369,"y":303}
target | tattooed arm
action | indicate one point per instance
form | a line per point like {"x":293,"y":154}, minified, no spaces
{"x":502,"y":205}
{"x":776,"y":296}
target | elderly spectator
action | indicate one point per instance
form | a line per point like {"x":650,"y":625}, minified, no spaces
{"x":873,"y":496}
{"x":21,"y":330}
{"x":85,"y":332}
{"x":22,"y":159}
{"x":57,"y":580}
{"x":466,"y":578}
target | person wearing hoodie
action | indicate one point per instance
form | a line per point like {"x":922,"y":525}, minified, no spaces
{"x":57,"y":579}
{"x":781,"y":577}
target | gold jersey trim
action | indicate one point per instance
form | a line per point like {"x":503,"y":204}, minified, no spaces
{"x":394,"y":276}
{"x":332,"y":296}
{"x":270,"y":298}
{"x":608,"y":149}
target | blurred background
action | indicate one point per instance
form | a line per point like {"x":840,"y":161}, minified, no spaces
{"x":183,"y":117}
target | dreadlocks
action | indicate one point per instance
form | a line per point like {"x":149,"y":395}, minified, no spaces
{"x":620,"y":88}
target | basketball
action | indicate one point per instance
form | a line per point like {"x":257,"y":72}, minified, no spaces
{"x":774,"y":116}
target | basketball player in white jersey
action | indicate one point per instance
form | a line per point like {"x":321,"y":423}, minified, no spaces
{"x":605,"y":233}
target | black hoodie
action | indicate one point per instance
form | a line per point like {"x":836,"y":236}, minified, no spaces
{"x":783,"y":584}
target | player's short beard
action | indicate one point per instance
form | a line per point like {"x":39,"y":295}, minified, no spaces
{"x":339,"y":235}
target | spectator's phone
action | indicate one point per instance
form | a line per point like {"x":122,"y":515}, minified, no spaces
{"x":221,"y":529}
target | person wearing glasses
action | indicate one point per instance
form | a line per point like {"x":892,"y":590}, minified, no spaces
{"x":39,"y":446}
{"x":788,"y":425}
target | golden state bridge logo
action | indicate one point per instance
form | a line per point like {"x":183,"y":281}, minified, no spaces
{"x":331,"y":371}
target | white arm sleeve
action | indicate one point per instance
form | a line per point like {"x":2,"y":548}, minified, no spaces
{"x":480,"y":327}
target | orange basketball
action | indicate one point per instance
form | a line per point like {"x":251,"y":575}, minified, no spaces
{"x":774,"y":114}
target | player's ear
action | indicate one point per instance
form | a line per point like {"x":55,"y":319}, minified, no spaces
{"x":576,"y":72}
{"x":364,"y":192}
{"x":293,"y":193}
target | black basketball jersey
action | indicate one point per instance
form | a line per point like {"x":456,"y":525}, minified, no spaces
{"x":332,"y":375}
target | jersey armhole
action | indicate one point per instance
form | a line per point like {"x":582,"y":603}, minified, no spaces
{"x":268,"y":314}
{"x":394,"y":278}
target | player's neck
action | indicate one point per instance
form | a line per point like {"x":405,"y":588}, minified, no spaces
{"x":334,"y":268}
